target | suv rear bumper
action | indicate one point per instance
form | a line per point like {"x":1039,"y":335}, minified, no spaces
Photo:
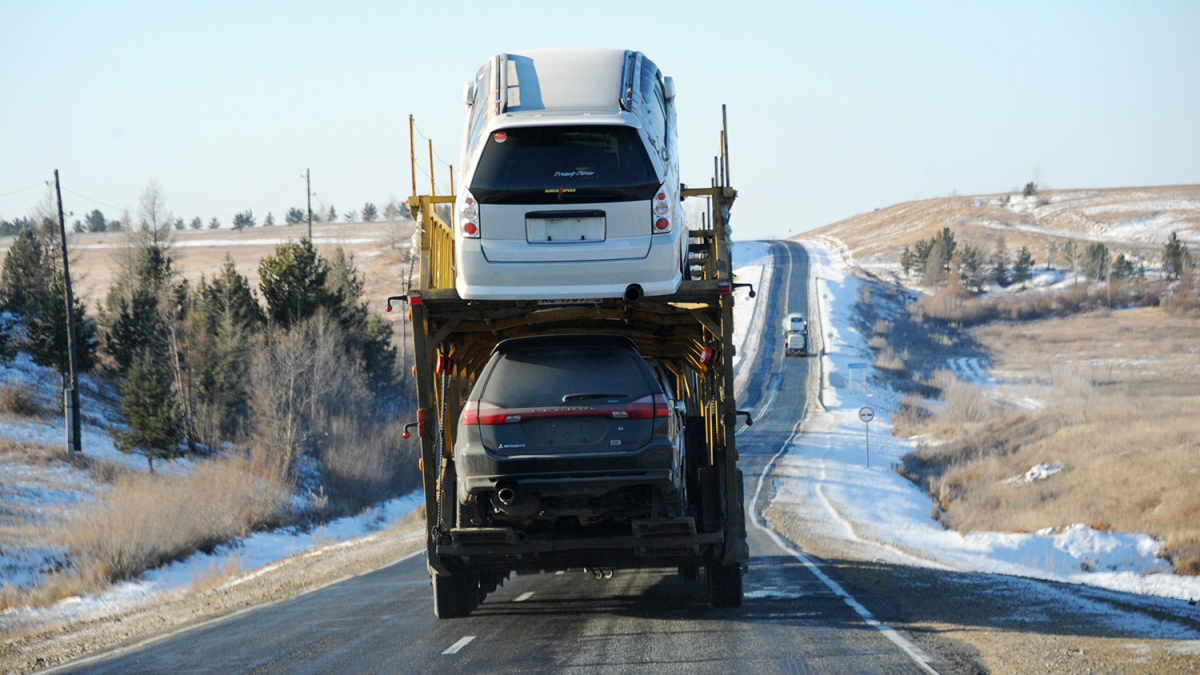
{"x":658,"y":273}
{"x":480,"y":471}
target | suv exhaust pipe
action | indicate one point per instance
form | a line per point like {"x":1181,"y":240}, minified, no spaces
{"x":633,"y":293}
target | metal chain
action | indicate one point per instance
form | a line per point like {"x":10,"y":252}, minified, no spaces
{"x":441,"y":442}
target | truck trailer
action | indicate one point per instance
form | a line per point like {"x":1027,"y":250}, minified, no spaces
{"x":686,"y":336}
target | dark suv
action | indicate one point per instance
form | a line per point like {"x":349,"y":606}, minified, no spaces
{"x":566,"y":429}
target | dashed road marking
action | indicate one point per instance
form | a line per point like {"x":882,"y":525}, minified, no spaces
{"x":453,"y":649}
{"x":524,"y":596}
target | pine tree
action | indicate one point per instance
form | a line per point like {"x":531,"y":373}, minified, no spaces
{"x":1095,"y":263}
{"x":179,"y":224}
{"x":332,"y":217}
{"x":369,"y":212}
{"x":907,"y":260}
{"x":96,"y":222}
{"x":1176,"y":260}
{"x":998,"y":265}
{"x":295,"y":216}
{"x":78,"y":227}
{"x":148,"y":406}
{"x":970,"y":267}
{"x":243,"y":220}
{"x":197,"y":223}
{"x":230,"y":293}
{"x":25,"y":278}
{"x":269,"y":221}
{"x":1122,"y":268}
{"x":46,"y":335}
{"x":1023,"y":266}
{"x":214,"y":223}
{"x":293,"y":283}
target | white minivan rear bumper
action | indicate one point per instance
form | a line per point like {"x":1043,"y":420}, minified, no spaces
{"x":658,"y":273}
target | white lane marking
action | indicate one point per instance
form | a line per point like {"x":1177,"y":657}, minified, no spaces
{"x":524,"y":596}
{"x":453,"y":649}
{"x":914,"y":652}
{"x":558,"y":573}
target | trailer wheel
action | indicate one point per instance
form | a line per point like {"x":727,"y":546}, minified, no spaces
{"x":724,"y":585}
{"x":455,"y":595}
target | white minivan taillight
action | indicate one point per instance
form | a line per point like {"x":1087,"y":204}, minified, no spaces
{"x":661,"y":211}
{"x":468,"y":221}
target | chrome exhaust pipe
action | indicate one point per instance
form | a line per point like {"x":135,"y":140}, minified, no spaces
{"x":507,"y":496}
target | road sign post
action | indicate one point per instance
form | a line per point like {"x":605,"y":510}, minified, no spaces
{"x":866,"y":415}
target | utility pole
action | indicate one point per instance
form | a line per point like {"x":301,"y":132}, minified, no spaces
{"x":71,"y":392}
{"x":308,"y":185}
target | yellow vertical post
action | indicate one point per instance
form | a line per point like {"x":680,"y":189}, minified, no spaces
{"x":452,"y":193}
{"x":432,"y":186}
{"x":412,"y":152}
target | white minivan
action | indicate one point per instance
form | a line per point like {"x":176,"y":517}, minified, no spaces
{"x":570,"y":178}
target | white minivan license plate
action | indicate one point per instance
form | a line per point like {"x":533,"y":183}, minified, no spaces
{"x":553,"y":228}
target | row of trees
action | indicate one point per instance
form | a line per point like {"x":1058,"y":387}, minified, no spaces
{"x":199,"y":366}
{"x":937,"y":259}
{"x":97,"y":222}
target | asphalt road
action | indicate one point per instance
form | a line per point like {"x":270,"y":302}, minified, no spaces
{"x":795,"y":619}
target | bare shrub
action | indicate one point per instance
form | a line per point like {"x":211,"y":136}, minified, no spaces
{"x":1185,"y":559}
{"x":910,"y":418}
{"x":1184,"y":302}
{"x":958,"y":306}
{"x":303,"y":379}
{"x":148,"y":520}
{"x":888,"y":359}
{"x":962,"y":402}
{"x":20,"y":399}
{"x":365,"y":463}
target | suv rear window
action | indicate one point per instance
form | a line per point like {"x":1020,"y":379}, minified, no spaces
{"x":563,"y":164}
{"x":526,"y":378}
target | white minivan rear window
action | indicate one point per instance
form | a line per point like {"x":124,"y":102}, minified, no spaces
{"x":555,"y":164}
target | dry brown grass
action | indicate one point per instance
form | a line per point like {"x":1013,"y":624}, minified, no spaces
{"x":147,"y":520}
{"x":1120,"y":409}
{"x":20,"y":400}
{"x":955,"y":305}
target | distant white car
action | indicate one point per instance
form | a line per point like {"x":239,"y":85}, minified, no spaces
{"x":795,"y":335}
{"x":795,"y":323}
{"x":571,"y":179}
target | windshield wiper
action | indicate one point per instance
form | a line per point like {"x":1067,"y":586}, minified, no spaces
{"x":579,"y":397}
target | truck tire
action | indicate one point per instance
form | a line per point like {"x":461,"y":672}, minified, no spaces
{"x":724,"y":585}
{"x":455,"y":595}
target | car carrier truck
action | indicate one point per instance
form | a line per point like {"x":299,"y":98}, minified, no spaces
{"x":687,"y":335}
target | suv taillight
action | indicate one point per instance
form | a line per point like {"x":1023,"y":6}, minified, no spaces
{"x":661,"y":213}
{"x":468,"y":218}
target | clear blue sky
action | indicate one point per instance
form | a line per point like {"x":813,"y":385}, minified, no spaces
{"x":834,"y":108}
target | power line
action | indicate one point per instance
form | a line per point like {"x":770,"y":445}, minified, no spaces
{"x":94,"y":201}
{"x":24,"y":189}
{"x":435,"y":152}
